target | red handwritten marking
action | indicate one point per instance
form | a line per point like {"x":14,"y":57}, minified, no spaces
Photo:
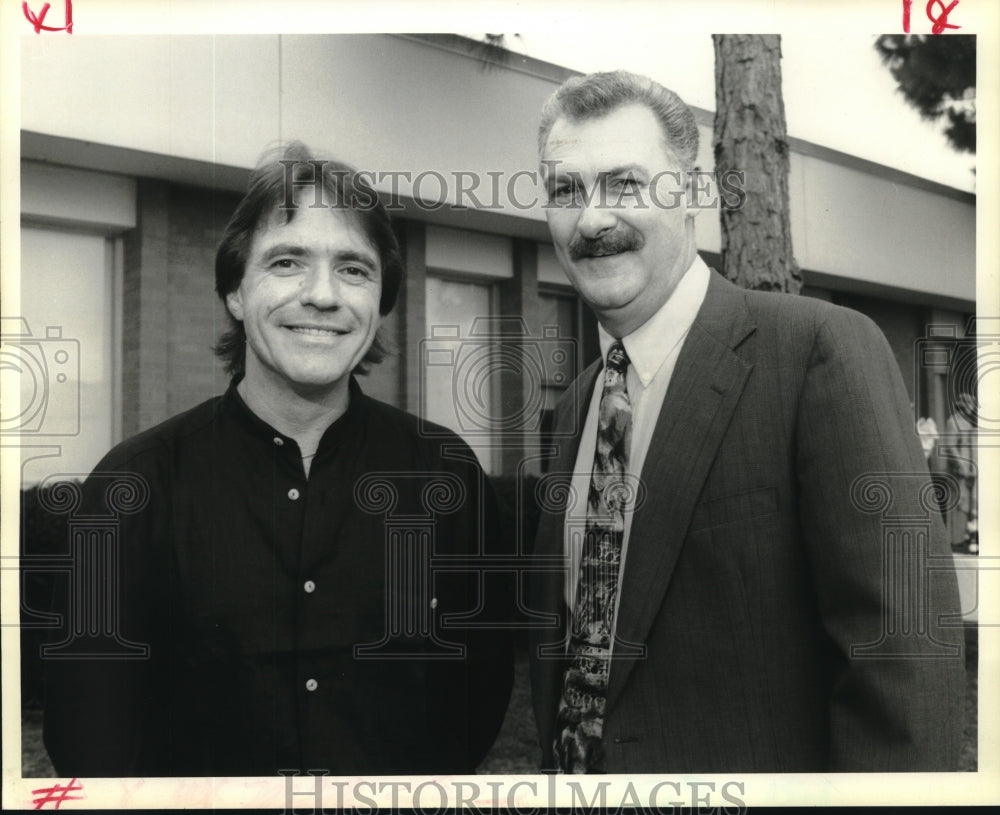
{"x":941,"y":21}
{"x":37,"y":20}
{"x":57,"y":794}
{"x":906,"y":15}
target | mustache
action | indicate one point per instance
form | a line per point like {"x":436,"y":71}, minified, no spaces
{"x":621,"y":240}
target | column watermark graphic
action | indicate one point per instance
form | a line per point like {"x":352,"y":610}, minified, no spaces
{"x":410,"y":604}
{"x":908,"y":616}
{"x":556,"y":494}
{"x":94,"y":625}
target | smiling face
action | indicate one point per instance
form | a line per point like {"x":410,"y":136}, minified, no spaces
{"x":309,"y":303}
{"x":618,"y":213}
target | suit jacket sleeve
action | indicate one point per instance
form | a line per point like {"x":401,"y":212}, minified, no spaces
{"x":898,"y":674}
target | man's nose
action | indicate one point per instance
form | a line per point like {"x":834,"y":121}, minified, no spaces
{"x":597,"y":217}
{"x":321,"y":288}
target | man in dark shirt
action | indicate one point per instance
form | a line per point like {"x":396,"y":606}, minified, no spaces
{"x":277,"y":606}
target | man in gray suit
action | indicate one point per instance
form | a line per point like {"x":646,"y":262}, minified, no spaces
{"x":751,"y":576}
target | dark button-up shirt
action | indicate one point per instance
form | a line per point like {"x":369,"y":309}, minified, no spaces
{"x":291,"y":622}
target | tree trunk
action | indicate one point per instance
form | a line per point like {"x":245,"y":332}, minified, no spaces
{"x":751,"y":140}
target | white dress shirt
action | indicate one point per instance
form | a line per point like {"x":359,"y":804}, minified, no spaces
{"x":652,"y":350}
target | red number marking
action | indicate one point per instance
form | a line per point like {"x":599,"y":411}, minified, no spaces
{"x":941,"y":21}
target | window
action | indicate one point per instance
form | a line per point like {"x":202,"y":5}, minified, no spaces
{"x":60,"y":352}
{"x":460,"y":377}
{"x":559,"y":309}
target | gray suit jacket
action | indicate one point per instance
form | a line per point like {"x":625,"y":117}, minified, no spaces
{"x":787,"y":577}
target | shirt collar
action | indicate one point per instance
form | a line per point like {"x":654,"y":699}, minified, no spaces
{"x":345,"y":426}
{"x":651,"y":343}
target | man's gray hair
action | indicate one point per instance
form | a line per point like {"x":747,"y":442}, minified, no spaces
{"x":595,"y":95}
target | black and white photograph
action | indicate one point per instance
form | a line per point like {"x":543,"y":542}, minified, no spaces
{"x":596,"y":414}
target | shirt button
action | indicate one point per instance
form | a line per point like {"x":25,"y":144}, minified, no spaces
{"x":293,"y":494}
{"x":311,"y":684}
{"x":434,"y":602}
{"x":279,"y":441}
{"x":309,"y":586}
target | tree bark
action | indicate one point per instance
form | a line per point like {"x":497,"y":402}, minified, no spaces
{"x":751,"y":141}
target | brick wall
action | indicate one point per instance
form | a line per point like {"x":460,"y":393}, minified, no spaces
{"x":144,"y":310}
{"x":413,"y":304}
{"x":197,"y":218}
{"x":171,"y":316}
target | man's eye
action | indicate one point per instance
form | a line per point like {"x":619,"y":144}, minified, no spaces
{"x":626,"y":183}
{"x":285,"y":264}
{"x":564,"y":192}
{"x":356,"y":271}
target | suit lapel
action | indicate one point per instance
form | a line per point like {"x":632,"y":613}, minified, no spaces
{"x":704,"y":390}
{"x":547,"y":595}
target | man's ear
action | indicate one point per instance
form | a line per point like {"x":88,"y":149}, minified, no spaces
{"x":234,"y":302}
{"x":697,"y":189}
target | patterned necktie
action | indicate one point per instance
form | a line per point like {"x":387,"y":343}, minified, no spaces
{"x":580,"y":720}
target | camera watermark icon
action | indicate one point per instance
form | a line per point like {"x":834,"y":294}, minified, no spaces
{"x":472,"y":368}
{"x":46,"y":372}
{"x":968,"y":366}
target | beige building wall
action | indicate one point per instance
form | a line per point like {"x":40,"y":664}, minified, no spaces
{"x":394,"y":104}
{"x":155,"y":135}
